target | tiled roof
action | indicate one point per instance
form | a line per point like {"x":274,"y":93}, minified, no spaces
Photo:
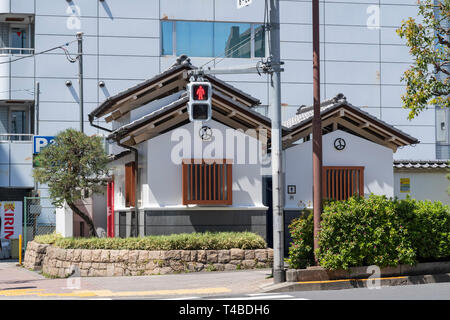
{"x":421,"y":164}
{"x":183,"y":62}
{"x":305,"y":115}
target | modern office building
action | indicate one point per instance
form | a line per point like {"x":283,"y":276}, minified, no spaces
{"x":127,"y":42}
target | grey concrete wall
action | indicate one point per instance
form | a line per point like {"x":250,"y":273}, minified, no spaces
{"x":188,"y":221}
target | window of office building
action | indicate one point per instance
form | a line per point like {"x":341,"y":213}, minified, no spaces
{"x":442,"y":133}
{"x":16,"y":35}
{"x":212,"y":39}
{"x":14,"y":122}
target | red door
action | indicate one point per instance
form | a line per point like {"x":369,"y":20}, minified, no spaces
{"x":110,"y":209}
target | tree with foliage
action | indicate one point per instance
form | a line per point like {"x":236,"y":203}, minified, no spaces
{"x":427,"y":80}
{"x":72,"y":167}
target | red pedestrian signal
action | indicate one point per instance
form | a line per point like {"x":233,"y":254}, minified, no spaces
{"x":200,"y":100}
{"x":200,"y":92}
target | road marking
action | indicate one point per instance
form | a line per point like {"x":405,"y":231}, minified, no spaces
{"x":182,"y":298}
{"x":108,"y":293}
{"x":346,"y":280}
{"x":271,"y":297}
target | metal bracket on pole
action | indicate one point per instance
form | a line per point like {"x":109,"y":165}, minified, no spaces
{"x":264,"y":66}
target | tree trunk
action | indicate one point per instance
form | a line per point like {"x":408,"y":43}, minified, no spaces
{"x":85,"y":217}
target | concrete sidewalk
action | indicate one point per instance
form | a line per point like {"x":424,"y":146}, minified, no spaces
{"x":17,"y":282}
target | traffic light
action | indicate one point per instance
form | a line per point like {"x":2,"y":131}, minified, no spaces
{"x":199,"y":105}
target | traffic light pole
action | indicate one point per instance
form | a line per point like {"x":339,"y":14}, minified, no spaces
{"x":279,"y":274}
{"x":273,"y":67}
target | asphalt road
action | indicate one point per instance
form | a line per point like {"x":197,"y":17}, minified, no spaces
{"x":432,"y":291}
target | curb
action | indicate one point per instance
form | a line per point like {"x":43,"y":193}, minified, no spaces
{"x":356,"y":283}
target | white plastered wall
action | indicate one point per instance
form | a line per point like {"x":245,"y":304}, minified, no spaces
{"x":424,"y":185}
{"x":161,"y":170}
{"x":376,"y":159}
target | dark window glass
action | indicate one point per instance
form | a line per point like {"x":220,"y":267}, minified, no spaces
{"x":194,"y":38}
{"x":167,"y":38}
{"x":232,"y":40}
{"x":19,"y":39}
{"x":122,"y":224}
{"x":260,"y":43}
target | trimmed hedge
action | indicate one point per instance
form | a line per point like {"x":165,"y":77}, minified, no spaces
{"x":373,"y":231}
{"x":301,"y":251}
{"x":185,"y":241}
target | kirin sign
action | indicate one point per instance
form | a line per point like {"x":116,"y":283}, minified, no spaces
{"x":10,"y":219}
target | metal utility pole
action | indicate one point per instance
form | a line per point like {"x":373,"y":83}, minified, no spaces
{"x":316,"y":127}
{"x":279,"y":274}
{"x":80,"y":76}
{"x":36,"y":127}
{"x":36,"y":109}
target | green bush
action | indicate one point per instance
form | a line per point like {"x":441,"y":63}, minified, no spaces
{"x":374,"y":231}
{"x":185,"y":241}
{"x":428,"y":225}
{"x":362,"y":232}
{"x":301,"y":251}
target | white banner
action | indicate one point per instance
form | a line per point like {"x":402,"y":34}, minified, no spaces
{"x":11,"y":219}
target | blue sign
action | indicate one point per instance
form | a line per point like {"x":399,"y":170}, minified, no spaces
{"x":40,"y":142}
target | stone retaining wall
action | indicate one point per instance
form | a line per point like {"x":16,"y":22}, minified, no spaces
{"x":59,"y":262}
{"x":34,"y":255}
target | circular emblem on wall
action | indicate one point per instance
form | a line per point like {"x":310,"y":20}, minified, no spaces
{"x":205,"y":133}
{"x":339,"y":144}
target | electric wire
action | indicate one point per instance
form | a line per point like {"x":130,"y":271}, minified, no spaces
{"x":232,"y":49}
{"x":30,"y":91}
{"x":243,"y":42}
{"x":41,"y":52}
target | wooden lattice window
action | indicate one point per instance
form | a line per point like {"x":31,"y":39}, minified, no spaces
{"x":340,"y":183}
{"x":130,"y":184}
{"x":207,"y":182}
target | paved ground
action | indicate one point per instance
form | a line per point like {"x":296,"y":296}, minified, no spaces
{"x":17,"y":282}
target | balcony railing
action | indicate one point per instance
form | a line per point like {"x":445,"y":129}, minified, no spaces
{"x":23,"y":51}
{"x":16,"y":137}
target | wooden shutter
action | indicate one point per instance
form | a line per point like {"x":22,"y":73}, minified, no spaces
{"x":207,"y":182}
{"x":340,"y":183}
{"x":130,"y":184}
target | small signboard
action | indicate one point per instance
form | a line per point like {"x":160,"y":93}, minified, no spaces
{"x":40,"y":142}
{"x":243,"y":3}
{"x":292,"y":189}
{"x":405,"y":185}
{"x":10,"y":219}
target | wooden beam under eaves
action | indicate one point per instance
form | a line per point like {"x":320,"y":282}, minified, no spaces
{"x":374,"y":127}
{"x":151,"y":132}
{"x":138,"y":101}
{"x":236,"y":113}
{"x":291,"y":138}
{"x":128,"y":141}
{"x":234,"y":124}
{"x":366,"y":134}
{"x":230,"y":95}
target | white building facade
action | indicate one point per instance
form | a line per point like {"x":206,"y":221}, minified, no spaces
{"x":127,"y":42}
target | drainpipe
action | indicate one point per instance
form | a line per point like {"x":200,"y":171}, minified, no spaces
{"x":91,"y":121}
